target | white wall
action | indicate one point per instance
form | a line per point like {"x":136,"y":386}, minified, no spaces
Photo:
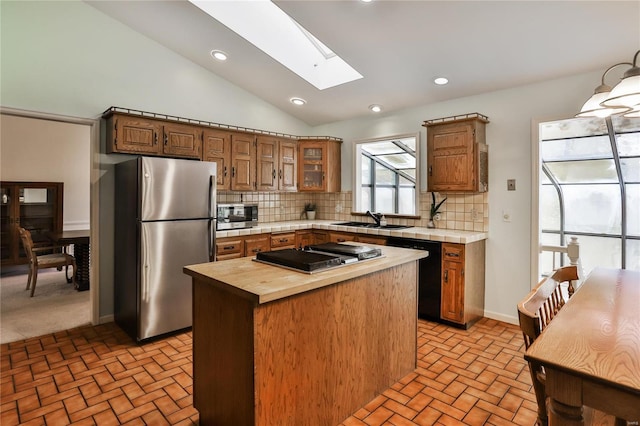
{"x":35,"y":150}
{"x":509,"y":138}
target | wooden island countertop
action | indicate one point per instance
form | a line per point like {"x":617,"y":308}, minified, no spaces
{"x":273,"y":346}
{"x":262,"y":283}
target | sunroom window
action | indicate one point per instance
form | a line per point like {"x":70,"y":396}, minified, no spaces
{"x":590,"y":189}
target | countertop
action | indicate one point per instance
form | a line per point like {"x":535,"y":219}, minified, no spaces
{"x":262,"y":283}
{"x":443,"y":235}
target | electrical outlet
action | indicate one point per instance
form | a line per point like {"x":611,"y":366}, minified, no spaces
{"x":511,"y":184}
{"x":506,"y":216}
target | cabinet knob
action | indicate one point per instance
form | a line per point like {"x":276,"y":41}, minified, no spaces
{"x":446,"y":276}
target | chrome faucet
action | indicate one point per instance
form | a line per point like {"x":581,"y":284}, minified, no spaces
{"x":375,"y":216}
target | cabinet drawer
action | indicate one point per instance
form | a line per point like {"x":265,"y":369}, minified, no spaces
{"x":222,"y":257}
{"x":228,"y":247}
{"x":255,"y":245}
{"x":371,"y":239}
{"x":453,"y":252}
{"x":280,"y":241}
{"x":341,"y":237}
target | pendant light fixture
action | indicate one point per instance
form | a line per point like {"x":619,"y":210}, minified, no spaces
{"x":624,"y":98}
{"x":592,"y":107}
{"x":627,"y":92}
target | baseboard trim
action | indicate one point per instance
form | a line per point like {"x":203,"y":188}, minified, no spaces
{"x":105,"y":319}
{"x":501,"y":317}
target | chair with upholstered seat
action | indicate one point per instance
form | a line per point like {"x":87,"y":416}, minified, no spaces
{"x":44,"y":261}
{"x":535,"y":312}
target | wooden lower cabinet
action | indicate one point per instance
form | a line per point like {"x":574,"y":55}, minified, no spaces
{"x":341,"y":237}
{"x":462,"y":299}
{"x":371,"y":239}
{"x":305,"y":238}
{"x":281,"y":241}
{"x":229,"y":248}
{"x":256,"y":243}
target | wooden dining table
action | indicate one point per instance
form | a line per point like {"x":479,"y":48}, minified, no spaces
{"x":81,"y":251}
{"x":591,"y":349}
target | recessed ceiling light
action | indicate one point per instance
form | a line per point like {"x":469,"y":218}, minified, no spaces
{"x":219,"y":55}
{"x":375,"y":108}
{"x":440,"y":81}
{"x":297,"y":101}
{"x":365,"y":1}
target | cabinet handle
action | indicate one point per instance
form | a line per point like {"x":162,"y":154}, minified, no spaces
{"x":322,"y":175}
{"x":233,"y":172}
{"x":166,"y":139}
{"x":256,"y":250}
{"x":284,"y":240}
{"x":274,"y":173}
{"x":155,"y":138}
{"x":446,"y":276}
{"x":341,"y":240}
{"x":280,"y":174}
{"x":430,"y":170}
{"x":452,"y":254}
{"x":228,"y":247}
{"x":225,"y":171}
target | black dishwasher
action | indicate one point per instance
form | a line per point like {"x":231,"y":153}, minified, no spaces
{"x":429,"y":275}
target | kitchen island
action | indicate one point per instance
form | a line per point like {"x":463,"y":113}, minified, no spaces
{"x":272,"y":346}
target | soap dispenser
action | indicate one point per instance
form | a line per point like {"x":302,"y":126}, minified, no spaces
{"x":383,"y":221}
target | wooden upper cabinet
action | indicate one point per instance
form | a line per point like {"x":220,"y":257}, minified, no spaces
{"x":457,"y":155}
{"x":267,"y":163}
{"x":319,"y":165}
{"x":243,"y":162}
{"x":140,"y":135}
{"x":276,"y":164}
{"x":135,"y":135}
{"x":182,"y":140}
{"x":217,"y":149}
{"x":288,"y":172}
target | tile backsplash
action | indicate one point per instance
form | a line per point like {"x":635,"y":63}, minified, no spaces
{"x":463,"y":212}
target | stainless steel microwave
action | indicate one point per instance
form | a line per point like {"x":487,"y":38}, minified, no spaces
{"x":236,"y":216}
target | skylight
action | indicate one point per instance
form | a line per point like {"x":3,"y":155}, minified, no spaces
{"x":267,"y":27}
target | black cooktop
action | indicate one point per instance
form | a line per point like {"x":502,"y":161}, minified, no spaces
{"x":318,"y":257}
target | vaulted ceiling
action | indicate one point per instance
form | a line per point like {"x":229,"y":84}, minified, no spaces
{"x":401,"y":46}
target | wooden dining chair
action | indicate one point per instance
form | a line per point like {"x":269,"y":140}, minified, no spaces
{"x":535,"y":313}
{"x":44,"y":261}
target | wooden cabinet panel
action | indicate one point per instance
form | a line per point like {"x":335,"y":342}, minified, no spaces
{"x":276,"y":164}
{"x":217,"y":149}
{"x":135,"y":135}
{"x":35,"y":206}
{"x":256,"y":244}
{"x":267,"y":163}
{"x":182,"y":140}
{"x":304,"y":238}
{"x":320,"y":237}
{"x":341,"y":237}
{"x":371,"y":239}
{"x":243,"y":162}
{"x":452,"y":304}
{"x":283,"y":241}
{"x":462,"y":282}
{"x":319,"y":165}
{"x":457,"y":155}
{"x":229,"y":248}
{"x":288,"y":173}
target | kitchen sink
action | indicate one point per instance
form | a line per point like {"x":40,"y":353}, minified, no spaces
{"x":371,"y":225}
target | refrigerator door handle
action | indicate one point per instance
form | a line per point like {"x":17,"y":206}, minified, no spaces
{"x":212,"y":214}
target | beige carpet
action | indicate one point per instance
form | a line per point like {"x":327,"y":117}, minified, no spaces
{"x":55,"y":306}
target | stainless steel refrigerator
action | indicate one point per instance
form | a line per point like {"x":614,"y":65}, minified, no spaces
{"x":164,"y":219}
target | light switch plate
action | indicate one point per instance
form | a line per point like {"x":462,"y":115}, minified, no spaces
{"x":511,"y":184}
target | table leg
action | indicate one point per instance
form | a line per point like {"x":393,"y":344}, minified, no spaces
{"x":564,"y":415}
{"x":82,"y":255}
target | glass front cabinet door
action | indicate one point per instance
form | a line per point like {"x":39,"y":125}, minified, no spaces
{"x":319,"y":165}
